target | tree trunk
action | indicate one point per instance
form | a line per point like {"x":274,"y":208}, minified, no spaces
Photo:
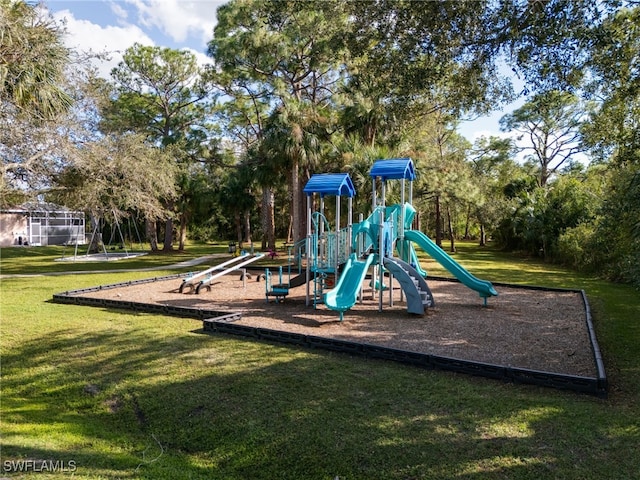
{"x":247,"y":227}
{"x":152,"y":234}
{"x":295,"y":200}
{"x":268,"y":219}
{"x":168,"y":235}
{"x":168,"y":228}
{"x":483,"y":235}
{"x":182,"y":237}
{"x":438,"y":222}
{"x":451,"y":233}
{"x":96,"y":236}
{"x":238,"y":222}
{"x":467,"y":223}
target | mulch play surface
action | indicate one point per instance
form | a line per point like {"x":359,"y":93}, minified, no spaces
{"x":533,"y":329}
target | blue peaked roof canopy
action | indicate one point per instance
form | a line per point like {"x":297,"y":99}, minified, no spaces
{"x":338,"y":184}
{"x":394,"y":169}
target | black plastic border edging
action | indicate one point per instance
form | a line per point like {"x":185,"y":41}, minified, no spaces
{"x":73,"y":297}
{"x":222,"y":322}
{"x":597,"y":355}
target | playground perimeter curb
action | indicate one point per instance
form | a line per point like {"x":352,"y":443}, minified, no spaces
{"x":222,"y":322}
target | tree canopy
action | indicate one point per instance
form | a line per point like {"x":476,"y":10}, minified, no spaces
{"x":551,"y":122}
{"x":297,"y":88}
{"x":32,"y":63}
{"x":33,"y":60}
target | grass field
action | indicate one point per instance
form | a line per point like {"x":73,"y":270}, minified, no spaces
{"x":93,"y":393}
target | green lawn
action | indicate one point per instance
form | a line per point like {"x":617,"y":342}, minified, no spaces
{"x":113,"y":394}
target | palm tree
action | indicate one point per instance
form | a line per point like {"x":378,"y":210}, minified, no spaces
{"x":294,"y":138}
{"x":32,"y":62}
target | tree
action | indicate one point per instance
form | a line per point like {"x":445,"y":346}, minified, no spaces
{"x":237,"y":200}
{"x":551,"y":121}
{"x":118,"y":175}
{"x":547,"y":43}
{"x":614,"y":127}
{"x":615,"y":244}
{"x":614,"y":135}
{"x":589,"y":48}
{"x":163,"y":93}
{"x":444,"y":182}
{"x":244,"y":113}
{"x":416,"y":54}
{"x":33,"y":98}
{"x":294,"y":52}
{"x":33,"y":59}
{"x":493,"y":167}
{"x":198,"y":184}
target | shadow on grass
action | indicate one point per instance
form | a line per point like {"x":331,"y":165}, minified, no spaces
{"x":128,"y":404}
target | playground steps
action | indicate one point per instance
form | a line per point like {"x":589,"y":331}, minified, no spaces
{"x":424,"y":296}
{"x":419,"y":295}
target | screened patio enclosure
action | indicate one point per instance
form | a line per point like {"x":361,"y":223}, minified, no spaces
{"x":41,"y":224}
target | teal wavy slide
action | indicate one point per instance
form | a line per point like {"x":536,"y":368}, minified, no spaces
{"x":345,"y":294}
{"x":483,"y":287}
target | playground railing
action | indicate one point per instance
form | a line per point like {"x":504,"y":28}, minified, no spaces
{"x":324,"y":250}
{"x":298,"y":254}
{"x":344,"y":244}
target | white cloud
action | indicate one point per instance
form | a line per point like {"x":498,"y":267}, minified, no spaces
{"x":119,"y":12}
{"x":179,"y":19}
{"x":85,"y":36}
{"x":112,"y":40}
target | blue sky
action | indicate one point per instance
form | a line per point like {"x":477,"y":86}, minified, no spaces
{"x":114,"y":25}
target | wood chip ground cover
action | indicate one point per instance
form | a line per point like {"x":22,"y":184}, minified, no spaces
{"x":532,"y":329}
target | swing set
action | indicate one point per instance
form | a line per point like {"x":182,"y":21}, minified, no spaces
{"x":107,"y":252}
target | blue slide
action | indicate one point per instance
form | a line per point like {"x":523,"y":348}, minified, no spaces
{"x":483,"y":287}
{"x":345,"y":294}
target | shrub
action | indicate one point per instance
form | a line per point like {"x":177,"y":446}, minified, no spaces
{"x":574,"y":247}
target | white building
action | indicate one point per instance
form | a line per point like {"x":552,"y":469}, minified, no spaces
{"x":41,"y":224}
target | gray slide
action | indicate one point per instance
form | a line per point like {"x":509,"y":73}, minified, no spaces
{"x":413,"y":284}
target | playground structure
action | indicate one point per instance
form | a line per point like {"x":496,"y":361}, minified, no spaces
{"x":203,"y":279}
{"x":384,"y":246}
{"x":337,"y":261}
{"x":341,"y":258}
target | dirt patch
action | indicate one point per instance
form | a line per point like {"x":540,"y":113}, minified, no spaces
{"x":522,"y":328}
